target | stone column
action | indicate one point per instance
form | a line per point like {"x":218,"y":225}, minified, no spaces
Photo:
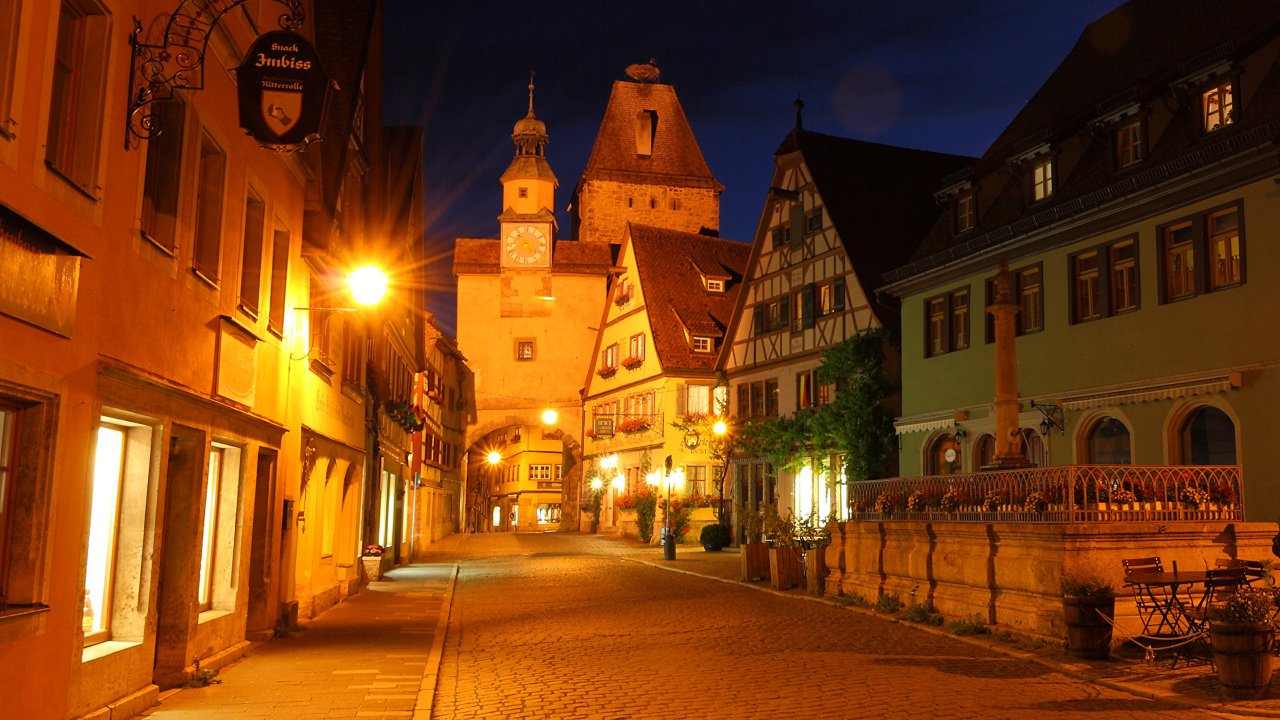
{"x":1005,"y":309}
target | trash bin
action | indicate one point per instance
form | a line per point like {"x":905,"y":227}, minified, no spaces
{"x":668,"y":544}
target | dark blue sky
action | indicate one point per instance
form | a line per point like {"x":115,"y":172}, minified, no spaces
{"x":931,"y":74}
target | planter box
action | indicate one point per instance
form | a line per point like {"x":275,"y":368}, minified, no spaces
{"x":1242,"y":654}
{"x":372,"y":568}
{"x":786,"y":568}
{"x":755,"y":561}
{"x":1088,"y":626}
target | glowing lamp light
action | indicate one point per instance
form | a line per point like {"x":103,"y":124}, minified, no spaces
{"x":676,"y":479}
{"x":495,"y":457}
{"x":720,"y":428}
{"x":368,"y":285}
{"x":549,"y":417}
{"x":619,"y":483}
{"x":610,"y":461}
{"x":597,"y":484}
{"x":653,"y":478}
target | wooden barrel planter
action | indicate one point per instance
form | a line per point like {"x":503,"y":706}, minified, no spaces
{"x":1242,"y":654}
{"x":786,"y":568}
{"x":755,"y":561}
{"x":1088,"y":626}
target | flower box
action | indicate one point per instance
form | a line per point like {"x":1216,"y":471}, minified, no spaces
{"x":631,"y":363}
{"x":786,"y":569}
{"x":607,"y":372}
{"x":622,"y":299}
{"x":633,"y":426}
{"x":755,"y":561}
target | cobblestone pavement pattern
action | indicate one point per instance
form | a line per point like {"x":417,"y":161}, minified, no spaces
{"x":559,"y":626}
{"x":363,"y":658}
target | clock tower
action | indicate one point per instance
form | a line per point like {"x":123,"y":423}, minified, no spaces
{"x":528,"y":198}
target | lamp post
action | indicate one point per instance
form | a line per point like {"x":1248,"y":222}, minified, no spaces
{"x":494,"y":458}
{"x":721,"y":430}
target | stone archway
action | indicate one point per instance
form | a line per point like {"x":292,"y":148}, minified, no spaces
{"x":489,"y":421}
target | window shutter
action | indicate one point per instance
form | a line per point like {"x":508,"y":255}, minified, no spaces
{"x":806,"y":307}
{"x":757,"y":320}
{"x":682,"y":400}
{"x":838,"y":291}
{"x":797,"y":226}
{"x":784,"y":311}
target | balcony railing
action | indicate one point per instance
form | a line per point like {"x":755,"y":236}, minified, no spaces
{"x":1064,"y":493}
{"x":626,"y":430}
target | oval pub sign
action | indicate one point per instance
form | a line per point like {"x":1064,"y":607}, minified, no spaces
{"x":283,"y":90}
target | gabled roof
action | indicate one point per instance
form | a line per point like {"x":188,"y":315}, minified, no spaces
{"x":1132,"y":54}
{"x":668,"y":263}
{"x":676,"y":158}
{"x":879,"y":197}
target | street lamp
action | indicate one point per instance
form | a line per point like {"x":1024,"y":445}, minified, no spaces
{"x":597,"y":484}
{"x":495,"y":457}
{"x":368,"y":285}
{"x":549,"y":417}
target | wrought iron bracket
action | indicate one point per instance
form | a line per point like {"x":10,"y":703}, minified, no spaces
{"x":1053,"y":417}
{"x":177,"y":63}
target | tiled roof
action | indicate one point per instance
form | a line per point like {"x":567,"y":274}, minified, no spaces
{"x":676,"y":158}
{"x":668,"y":262}
{"x":483,"y":255}
{"x":879,"y":197}
{"x":1132,"y":54}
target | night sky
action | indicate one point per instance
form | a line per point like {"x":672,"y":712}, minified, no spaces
{"x":938,"y":75}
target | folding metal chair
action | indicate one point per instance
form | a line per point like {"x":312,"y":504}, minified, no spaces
{"x":1219,"y":583}
{"x":1152,"y":602}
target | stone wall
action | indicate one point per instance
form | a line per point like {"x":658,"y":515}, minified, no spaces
{"x":1009,"y":573}
{"x":605,"y":207}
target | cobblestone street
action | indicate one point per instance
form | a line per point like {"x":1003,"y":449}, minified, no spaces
{"x":561,"y":626}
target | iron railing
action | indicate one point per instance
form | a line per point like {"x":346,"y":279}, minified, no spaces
{"x":1063,"y":493}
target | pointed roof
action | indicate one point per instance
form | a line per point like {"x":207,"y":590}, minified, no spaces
{"x":671,"y":265}
{"x":676,"y":158}
{"x":879,"y":197}
{"x":530,"y":138}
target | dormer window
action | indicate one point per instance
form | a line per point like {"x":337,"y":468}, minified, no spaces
{"x":701,"y":344}
{"x":966,"y":213}
{"x":1042,"y":180}
{"x":1128,"y":144}
{"x":646,"y":126}
{"x":1219,"y":107}
{"x":715,"y":286}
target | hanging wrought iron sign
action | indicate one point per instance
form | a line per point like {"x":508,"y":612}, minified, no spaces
{"x":283,"y":91}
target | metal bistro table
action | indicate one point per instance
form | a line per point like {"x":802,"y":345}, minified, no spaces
{"x":1159,"y":601}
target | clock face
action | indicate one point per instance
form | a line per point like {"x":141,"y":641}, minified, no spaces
{"x":526,"y":245}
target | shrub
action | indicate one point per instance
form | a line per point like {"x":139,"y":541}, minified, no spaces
{"x":854,"y":599}
{"x":646,"y":508}
{"x":888,"y":604}
{"x":715,"y":535}
{"x":920,"y":614}
{"x":1075,"y":585}
{"x":972,"y":625}
{"x":1246,"y":605}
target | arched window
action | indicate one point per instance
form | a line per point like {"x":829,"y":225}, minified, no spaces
{"x":945,"y":457}
{"x":1109,"y":443}
{"x":1033,"y":448}
{"x":984,"y":451}
{"x":1208,"y":438}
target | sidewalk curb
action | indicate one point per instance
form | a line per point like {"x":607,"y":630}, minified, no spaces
{"x":1079,"y":672}
{"x":423,"y":706}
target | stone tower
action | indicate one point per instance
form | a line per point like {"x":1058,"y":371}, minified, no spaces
{"x":646,"y":167}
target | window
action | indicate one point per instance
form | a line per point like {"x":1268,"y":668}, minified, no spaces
{"x":1219,"y":109}
{"x":1109,"y":443}
{"x":559,"y":472}
{"x":716,"y":286}
{"x":208,"y":229}
{"x":1033,"y":450}
{"x":675,"y":204}
{"x":1124,"y":278}
{"x":1031,"y":319}
{"x":1179,"y":262}
{"x":1224,"y":249}
{"x":804,"y":390}
{"x":163,"y":175}
{"x":947,"y":323}
{"x":522,"y":192}
{"x":320,"y":329}
{"x":695,"y":479}
{"x":701,"y":344}
{"x":279,"y":280}
{"x":525,"y":349}
{"x":255,"y":211}
{"x":960,"y":320}
{"x":1128,"y":144}
{"x":777,"y":238}
{"x":212,"y":490}
{"x":352,"y":352}
{"x":825,"y":302}
{"x":539,"y":472}
{"x":548,"y":513}
{"x":984,"y":452}
{"x":774,"y":318}
{"x":1085,"y":281}
{"x":1042,"y":180}
{"x":1208,"y":438}
{"x":9,"y":12}
{"x":609,"y":358}
{"x":8,"y":457}
{"x":696,"y":400}
{"x":813,"y":223}
{"x":104,"y":516}
{"x":804,"y":308}
{"x":637,"y":346}
{"x":79,"y":59}
{"x":966,"y":213}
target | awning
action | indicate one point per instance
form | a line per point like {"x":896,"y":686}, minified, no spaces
{"x":908,"y":425}
{"x":1152,"y":392}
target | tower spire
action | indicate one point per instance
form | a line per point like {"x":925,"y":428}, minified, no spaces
{"x":531,"y":74}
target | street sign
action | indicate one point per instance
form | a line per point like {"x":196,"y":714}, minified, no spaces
{"x":284,"y":92}
{"x":603,"y":425}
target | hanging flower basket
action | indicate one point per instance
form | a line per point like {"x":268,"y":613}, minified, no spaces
{"x":633,"y":426}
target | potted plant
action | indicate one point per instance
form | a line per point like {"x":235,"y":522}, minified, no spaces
{"x":371,"y":559}
{"x":755,"y":553}
{"x":714,"y":537}
{"x":1089,"y":607}
{"x":1241,"y":633}
{"x":786,"y":566}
